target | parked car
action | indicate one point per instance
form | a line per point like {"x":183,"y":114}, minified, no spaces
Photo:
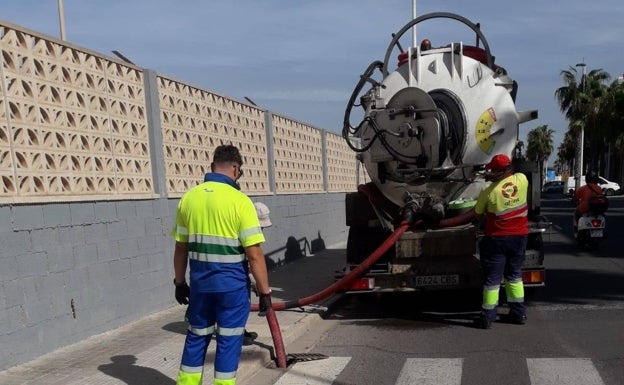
{"x":554,"y":186}
{"x":608,"y":188}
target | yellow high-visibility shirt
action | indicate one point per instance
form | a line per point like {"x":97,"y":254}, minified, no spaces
{"x":505,"y":205}
{"x":217,"y":221}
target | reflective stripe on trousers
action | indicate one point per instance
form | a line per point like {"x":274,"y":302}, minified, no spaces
{"x":502,"y":257}
{"x":229,"y":311}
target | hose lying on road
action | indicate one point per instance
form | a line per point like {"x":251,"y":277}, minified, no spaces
{"x":344,"y":281}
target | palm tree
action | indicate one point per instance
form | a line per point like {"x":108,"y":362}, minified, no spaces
{"x":540,"y":146}
{"x":582,"y":103}
{"x":612,"y":118}
{"x":567,"y":151}
{"x":597,"y":118}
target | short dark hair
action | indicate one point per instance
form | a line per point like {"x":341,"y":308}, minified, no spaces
{"x":227,"y":153}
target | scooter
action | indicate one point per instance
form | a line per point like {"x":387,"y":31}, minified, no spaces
{"x":590,"y":229}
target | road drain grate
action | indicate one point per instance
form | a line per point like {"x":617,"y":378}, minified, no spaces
{"x":303,"y":357}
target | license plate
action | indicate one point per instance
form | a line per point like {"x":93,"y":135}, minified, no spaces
{"x":595,"y":233}
{"x":435,"y":280}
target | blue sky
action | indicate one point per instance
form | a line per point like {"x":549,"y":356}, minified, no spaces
{"x":302,"y":59}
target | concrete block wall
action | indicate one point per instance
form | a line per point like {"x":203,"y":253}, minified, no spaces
{"x":72,"y":270}
{"x":76,"y":125}
{"x":304,"y":218}
{"x":69,"y":271}
{"x":73,"y":266}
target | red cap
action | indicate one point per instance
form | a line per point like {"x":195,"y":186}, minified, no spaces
{"x":498,"y":163}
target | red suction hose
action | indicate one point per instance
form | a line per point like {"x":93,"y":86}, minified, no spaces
{"x":276,"y":334}
{"x":344,"y":281}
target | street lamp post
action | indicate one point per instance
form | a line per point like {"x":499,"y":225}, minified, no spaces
{"x":414,"y":41}
{"x":579,"y":158}
{"x":61,"y":18}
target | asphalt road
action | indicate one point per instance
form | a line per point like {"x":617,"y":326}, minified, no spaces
{"x":575,"y":332}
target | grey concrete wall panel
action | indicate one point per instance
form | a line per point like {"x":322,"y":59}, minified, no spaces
{"x":324,"y":152}
{"x":9,"y":267}
{"x":304,"y":218}
{"x":56,"y":214}
{"x":15,"y":243}
{"x":6,"y":219}
{"x":27,"y":217}
{"x":105,"y":212}
{"x":268,"y":124}
{"x":62,"y":284}
{"x":152,"y":111}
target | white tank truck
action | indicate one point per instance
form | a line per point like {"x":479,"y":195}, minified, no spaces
{"x":429,"y":127}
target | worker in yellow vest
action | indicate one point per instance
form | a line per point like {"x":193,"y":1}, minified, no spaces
{"x":218,"y":234}
{"x":502,"y":208}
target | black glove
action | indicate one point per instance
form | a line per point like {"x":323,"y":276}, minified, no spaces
{"x":182,"y":292}
{"x":264,"y":305}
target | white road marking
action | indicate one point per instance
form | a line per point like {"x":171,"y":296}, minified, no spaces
{"x":563,"y":371}
{"x":448,"y":371}
{"x":588,"y":306}
{"x":431,"y":371}
{"x":321,"y":372}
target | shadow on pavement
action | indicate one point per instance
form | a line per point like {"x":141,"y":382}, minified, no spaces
{"x":123,"y":368}
{"x":307,"y":276}
{"x":410,"y":310}
{"x":179,"y":327}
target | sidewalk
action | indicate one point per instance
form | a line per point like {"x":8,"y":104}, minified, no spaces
{"x":148,"y":350}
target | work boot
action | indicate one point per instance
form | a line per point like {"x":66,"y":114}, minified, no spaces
{"x":514,"y":319}
{"x":482,"y":322}
{"x":249,"y":337}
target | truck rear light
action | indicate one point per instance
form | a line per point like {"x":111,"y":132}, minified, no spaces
{"x":533,"y":276}
{"x":360,"y":284}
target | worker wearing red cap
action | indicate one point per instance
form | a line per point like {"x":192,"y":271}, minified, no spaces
{"x":502,"y":207}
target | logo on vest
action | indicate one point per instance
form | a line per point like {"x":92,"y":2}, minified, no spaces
{"x":509,"y":190}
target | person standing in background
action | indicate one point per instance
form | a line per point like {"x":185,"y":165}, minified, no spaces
{"x":263,"y":216}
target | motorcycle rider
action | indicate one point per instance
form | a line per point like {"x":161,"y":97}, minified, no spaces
{"x":582,"y":195}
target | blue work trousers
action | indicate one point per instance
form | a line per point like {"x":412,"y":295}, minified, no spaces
{"x":229,"y":311}
{"x":502,"y":257}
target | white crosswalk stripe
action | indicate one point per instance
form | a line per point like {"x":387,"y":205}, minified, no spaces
{"x":563,"y":371}
{"x":448,"y":371}
{"x":320,"y":372}
{"x":431,"y":371}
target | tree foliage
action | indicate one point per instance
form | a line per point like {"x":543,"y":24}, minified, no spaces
{"x":540,"y":145}
{"x":593,"y":108}
{"x":567,"y":150}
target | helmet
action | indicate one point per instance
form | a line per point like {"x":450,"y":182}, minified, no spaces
{"x":592,"y":177}
{"x":263,"y":214}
